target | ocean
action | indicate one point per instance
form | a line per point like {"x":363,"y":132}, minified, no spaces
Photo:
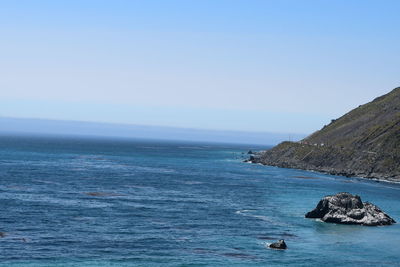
{"x":80,"y":201}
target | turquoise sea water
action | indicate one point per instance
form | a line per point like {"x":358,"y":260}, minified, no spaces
{"x":88,"y":202}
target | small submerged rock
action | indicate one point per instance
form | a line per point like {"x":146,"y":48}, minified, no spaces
{"x":345,"y":208}
{"x":102,"y":194}
{"x":239,"y":255}
{"x":306,"y":177}
{"x":279,"y":245}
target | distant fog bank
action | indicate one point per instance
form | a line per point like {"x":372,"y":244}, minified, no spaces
{"x":58,"y":127}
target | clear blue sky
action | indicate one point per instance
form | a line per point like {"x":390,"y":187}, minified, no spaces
{"x":277,"y":66}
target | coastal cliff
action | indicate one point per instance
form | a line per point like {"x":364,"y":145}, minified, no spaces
{"x":364,"y":142}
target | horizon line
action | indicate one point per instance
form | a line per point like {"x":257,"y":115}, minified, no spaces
{"x":151,"y":125}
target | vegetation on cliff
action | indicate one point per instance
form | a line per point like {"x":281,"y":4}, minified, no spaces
{"x":364,"y":142}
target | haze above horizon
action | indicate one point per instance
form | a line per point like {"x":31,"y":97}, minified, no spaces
{"x":271,"y":66}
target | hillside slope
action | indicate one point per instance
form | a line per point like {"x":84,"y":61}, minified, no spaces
{"x":364,"y":142}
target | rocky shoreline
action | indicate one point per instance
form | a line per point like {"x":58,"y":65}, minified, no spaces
{"x":328,"y":160}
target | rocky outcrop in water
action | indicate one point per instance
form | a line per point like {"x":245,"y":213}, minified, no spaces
{"x":345,"y":208}
{"x":279,"y":245}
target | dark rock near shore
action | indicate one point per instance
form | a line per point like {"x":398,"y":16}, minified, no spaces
{"x":253,"y":157}
{"x":345,"y":208}
{"x":279,"y":245}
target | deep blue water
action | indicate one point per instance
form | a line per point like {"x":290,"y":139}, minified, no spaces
{"x":88,"y":202}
